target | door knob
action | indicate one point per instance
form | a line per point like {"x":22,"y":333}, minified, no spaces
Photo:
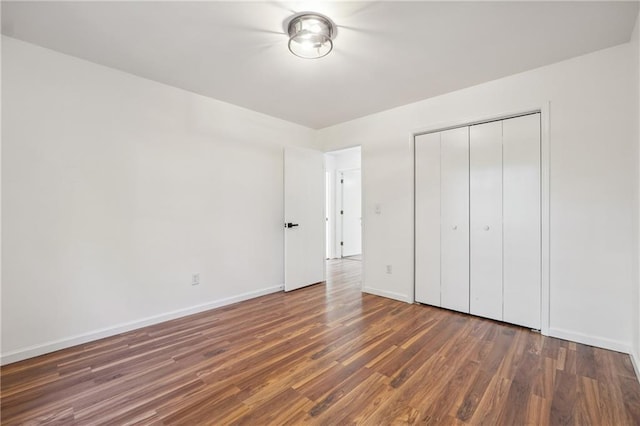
{"x":290,"y":225}
{"x":454,"y":227}
{"x":486,"y":228}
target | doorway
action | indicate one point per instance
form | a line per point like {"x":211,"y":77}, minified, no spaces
{"x":343,"y":204}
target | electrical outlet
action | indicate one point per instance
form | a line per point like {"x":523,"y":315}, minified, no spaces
{"x":195,"y":279}
{"x":389,"y":269}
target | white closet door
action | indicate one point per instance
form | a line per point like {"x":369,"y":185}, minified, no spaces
{"x":454,"y":219}
{"x":522,"y":221}
{"x":485,"y":168}
{"x":427,"y":186}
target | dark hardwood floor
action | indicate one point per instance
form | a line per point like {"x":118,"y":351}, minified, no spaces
{"x":326,"y":354}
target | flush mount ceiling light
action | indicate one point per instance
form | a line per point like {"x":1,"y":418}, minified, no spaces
{"x":310,"y":35}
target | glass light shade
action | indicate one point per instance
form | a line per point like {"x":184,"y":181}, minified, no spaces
{"x":310,"y":36}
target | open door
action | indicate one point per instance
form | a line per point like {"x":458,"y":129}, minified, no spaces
{"x":304,"y":218}
{"x":351,"y":213}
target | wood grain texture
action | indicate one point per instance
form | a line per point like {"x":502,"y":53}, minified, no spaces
{"x":325,"y":354}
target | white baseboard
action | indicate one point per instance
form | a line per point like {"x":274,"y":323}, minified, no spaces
{"x":601,"y":342}
{"x":635,"y":360}
{"x":388,"y":294}
{"x":44,"y":348}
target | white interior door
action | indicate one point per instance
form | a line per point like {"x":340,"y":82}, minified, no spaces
{"x":304,"y":217}
{"x":350,"y":182}
{"x":427,"y":219}
{"x":522,"y":222}
{"x":485,"y":165}
{"x":454,"y":213}
{"x":328,"y":206}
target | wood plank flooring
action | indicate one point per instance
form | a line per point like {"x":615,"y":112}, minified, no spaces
{"x":325,"y":355}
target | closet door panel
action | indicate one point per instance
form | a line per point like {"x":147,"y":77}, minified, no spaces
{"x":454,"y":219}
{"x":427,"y":219}
{"x":522,"y":221}
{"x":485,"y":168}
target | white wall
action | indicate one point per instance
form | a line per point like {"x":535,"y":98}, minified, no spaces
{"x":116,"y":189}
{"x":635,"y":52}
{"x":344,"y":159}
{"x":1,"y":221}
{"x":592,"y":172}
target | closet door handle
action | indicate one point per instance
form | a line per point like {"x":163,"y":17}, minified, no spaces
{"x":454,"y":227}
{"x":486,"y":227}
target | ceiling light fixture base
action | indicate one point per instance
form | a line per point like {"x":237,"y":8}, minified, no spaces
{"x":310,"y":35}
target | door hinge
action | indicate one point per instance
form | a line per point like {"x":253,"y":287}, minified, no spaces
{"x":341,"y":243}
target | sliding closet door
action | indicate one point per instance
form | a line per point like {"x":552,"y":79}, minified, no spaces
{"x":427,"y":217}
{"x":485,"y":168}
{"x":454,"y":219}
{"x":522,"y":221}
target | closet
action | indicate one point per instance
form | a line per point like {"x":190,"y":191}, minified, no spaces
{"x":478,"y":220}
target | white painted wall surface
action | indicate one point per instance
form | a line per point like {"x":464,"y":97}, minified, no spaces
{"x":592,"y":174}
{"x":116,"y":189}
{"x":346,"y":159}
{"x":635,"y":55}
{"x":1,"y":221}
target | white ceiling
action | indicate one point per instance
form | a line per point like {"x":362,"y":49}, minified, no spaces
{"x":386,"y":53}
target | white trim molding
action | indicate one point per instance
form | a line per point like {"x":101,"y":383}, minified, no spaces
{"x":388,"y":294}
{"x":635,"y":360}
{"x":545,"y":161}
{"x":67,"y":342}
{"x":601,"y":342}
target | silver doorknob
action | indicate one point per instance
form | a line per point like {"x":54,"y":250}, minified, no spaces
{"x":486,"y":228}
{"x":454,"y":227}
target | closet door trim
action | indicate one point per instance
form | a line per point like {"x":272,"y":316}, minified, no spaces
{"x":491,"y":119}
